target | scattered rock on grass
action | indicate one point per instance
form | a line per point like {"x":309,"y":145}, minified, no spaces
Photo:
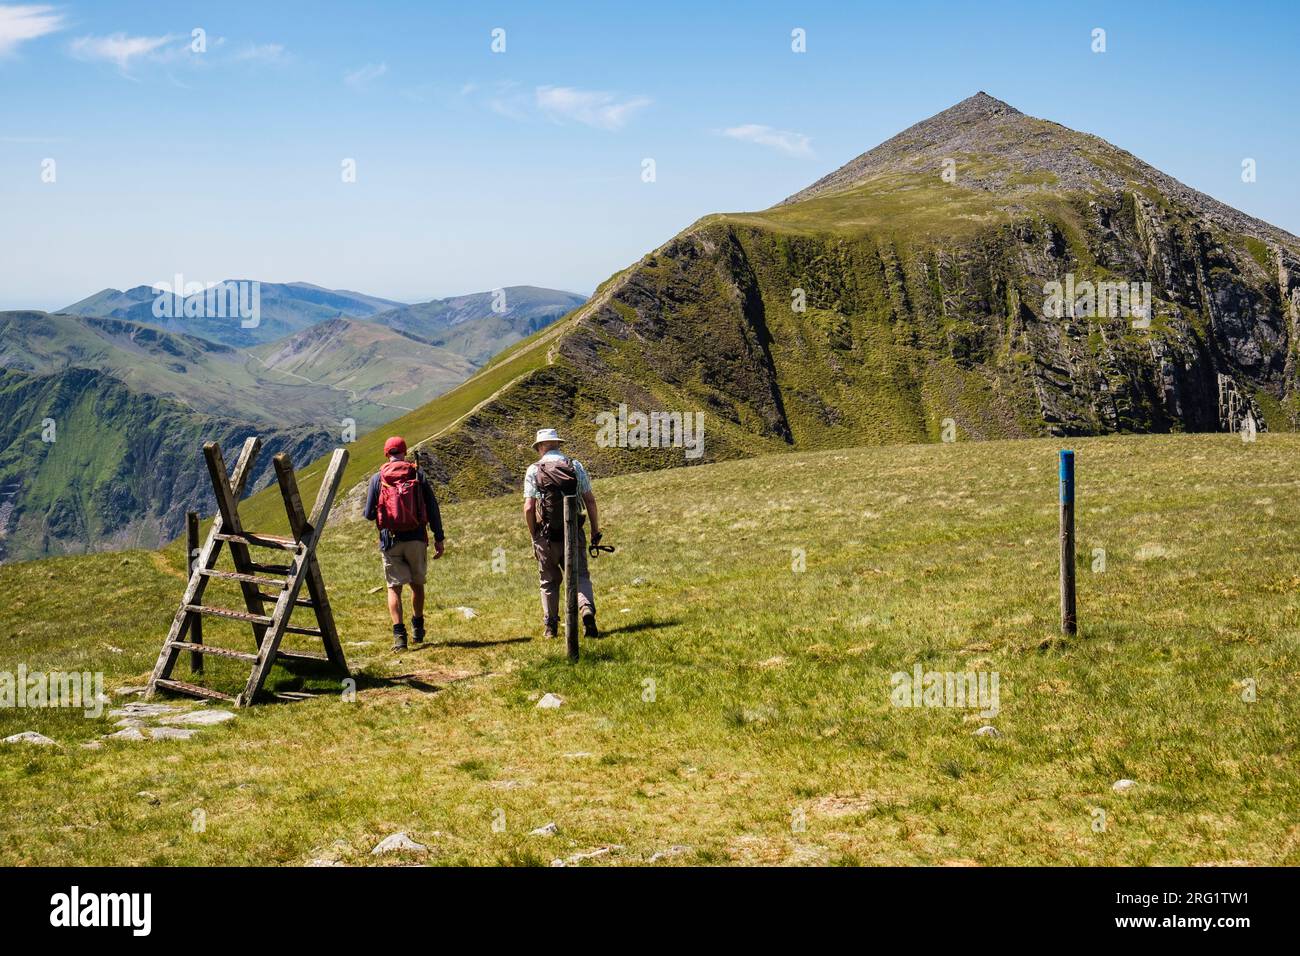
{"x":589,"y":855}
{"x":1123,"y":786}
{"x":468,"y":613}
{"x":550,"y":702}
{"x":549,"y":829}
{"x":171,"y":733}
{"x":398,"y":843}
{"x":141,"y":709}
{"x":200,"y":718}
{"x":128,"y":733}
{"x":29,"y":737}
{"x":130,"y":691}
{"x":675,"y":850}
{"x":988,"y":730}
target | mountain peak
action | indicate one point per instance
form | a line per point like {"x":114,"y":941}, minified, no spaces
{"x":973,"y":125}
{"x":977,"y":106}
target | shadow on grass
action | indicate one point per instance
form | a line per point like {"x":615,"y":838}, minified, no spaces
{"x":649,"y":625}
{"x":473,"y":644}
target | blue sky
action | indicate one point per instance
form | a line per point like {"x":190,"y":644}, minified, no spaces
{"x":476,"y":169}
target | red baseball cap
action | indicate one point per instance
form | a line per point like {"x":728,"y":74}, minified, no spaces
{"x":395,"y":446}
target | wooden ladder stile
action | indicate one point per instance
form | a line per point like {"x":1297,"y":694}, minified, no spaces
{"x":282,"y":581}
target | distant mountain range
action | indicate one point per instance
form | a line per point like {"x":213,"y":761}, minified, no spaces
{"x":285,"y":308}
{"x":132,"y":396}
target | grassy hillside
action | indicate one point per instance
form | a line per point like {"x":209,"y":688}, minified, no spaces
{"x":122,"y":468}
{"x":379,"y":371}
{"x":266,"y":511}
{"x":767,"y":733}
{"x":471,"y":325}
{"x":336,"y":369}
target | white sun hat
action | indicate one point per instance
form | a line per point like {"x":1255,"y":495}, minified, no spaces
{"x":547,"y":434}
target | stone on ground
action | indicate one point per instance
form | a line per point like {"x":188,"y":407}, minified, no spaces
{"x":171,"y":733}
{"x":549,"y":829}
{"x":141,"y":709}
{"x":1122,"y":786}
{"x":550,"y":702}
{"x":128,"y":733}
{"x":28,"y":737}
{"x":398,"y":843}
{"x":200,"y":718}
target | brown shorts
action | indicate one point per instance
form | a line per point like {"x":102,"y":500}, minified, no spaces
{"x":405,"y":562}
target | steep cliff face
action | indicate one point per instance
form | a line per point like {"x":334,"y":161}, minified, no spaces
{"x":984,"y":273}
{"x":88,"y":464}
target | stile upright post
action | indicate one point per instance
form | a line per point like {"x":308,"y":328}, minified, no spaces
{"x":572,"y":542}
{"x":1069,"y":617}
{"x":192,"y":557}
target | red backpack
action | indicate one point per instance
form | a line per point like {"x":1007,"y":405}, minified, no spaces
{"x":401,"y":499}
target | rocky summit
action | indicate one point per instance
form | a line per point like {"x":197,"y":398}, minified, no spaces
{"x":983,"y":274}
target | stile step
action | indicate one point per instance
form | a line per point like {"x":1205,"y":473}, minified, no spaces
{"x":193,"y":690}
{"x":247,"y":578}
{"x":261,"y":540}
{"x":227,"y":612}
{"x":210,"y":649}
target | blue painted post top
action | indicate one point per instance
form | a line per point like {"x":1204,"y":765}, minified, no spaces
{"x":1067,"y":476}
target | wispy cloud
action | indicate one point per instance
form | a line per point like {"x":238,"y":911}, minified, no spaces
{"x":117,"y":48}
{"x":263,"y":53}
{"x":21,"y":23}
{"x":365,"y":75}
{"x":792,"y":144}
{"x":590,"y":107}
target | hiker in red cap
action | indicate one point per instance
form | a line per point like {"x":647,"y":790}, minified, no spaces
{"x":402,"y":504}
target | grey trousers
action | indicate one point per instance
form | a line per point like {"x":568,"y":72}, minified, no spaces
{"x":550,"y":568}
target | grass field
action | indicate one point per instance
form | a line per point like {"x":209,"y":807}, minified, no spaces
{"x":738,"y":710}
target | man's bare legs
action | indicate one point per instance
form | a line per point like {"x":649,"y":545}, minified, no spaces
{"x":395,"y":602}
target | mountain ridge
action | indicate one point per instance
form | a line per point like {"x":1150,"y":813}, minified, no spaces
{"x":922,"y":304}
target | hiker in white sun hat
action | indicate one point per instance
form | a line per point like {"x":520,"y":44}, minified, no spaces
{"x":548,"y":480}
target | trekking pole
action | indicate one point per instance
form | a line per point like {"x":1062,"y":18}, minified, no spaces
{"x":1069,"y":616}
{"x":571,"y":546}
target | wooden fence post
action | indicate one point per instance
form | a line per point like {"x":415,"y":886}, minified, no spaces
{"x":191,"y":556}
{"x":572,"y":542}
{"x":1069,"y":617}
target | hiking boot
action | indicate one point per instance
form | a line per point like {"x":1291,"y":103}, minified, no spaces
{"x":589,"y":623}
{"x":551,"y":632}
{"x":399,"y":637}
{"x":418,"y":636}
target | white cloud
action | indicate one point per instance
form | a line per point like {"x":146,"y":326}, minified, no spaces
{"x":18,"y":24}
{"x":263,"y":53}
{"x":793,"y":144}
{"x":363,"y":76}
{"x":591,"y":107}
{"x":117,"y":48}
